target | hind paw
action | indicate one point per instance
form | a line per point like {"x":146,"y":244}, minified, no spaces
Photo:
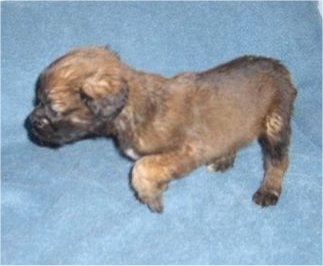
{"x":265,"y":198}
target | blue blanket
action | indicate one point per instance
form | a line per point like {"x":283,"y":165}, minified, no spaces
{"x":73,"y":205}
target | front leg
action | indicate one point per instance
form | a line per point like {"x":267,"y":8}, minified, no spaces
{"x":151,"y":174}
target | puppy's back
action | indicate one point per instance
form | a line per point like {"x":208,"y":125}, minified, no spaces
{"x":226,"y":107}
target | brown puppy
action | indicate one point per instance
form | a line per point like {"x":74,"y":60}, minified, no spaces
{"x":170,"y":126}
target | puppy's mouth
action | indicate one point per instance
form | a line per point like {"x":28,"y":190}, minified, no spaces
{"x":45,"y":135}
{"x":43,"y":132}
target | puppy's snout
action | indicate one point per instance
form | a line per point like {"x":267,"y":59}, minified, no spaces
{"x":38,"y":121}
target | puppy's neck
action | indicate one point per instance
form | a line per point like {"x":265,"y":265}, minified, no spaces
{"x":145,"y":95}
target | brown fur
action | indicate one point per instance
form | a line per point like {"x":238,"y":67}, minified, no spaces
{"x":170,"y":126}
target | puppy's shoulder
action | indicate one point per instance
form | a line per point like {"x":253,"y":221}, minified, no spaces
{"x":185,"y":79}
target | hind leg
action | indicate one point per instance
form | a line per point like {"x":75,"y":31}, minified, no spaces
{"x":274,"y":145}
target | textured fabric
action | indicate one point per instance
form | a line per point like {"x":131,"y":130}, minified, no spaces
{"x":74,"y":205}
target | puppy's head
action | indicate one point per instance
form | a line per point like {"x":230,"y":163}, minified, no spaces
{"x":78,"y":95}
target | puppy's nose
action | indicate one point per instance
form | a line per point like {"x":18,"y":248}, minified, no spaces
{"x":39,"y":122}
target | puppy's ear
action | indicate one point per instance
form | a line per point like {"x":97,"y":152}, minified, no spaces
{"x":106,"y":105}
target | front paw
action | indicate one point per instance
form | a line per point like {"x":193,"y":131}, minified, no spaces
{"x":147,"y":190}
{"x":153,"y":202}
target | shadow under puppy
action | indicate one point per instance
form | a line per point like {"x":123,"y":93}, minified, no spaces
{"x":169,"y":126}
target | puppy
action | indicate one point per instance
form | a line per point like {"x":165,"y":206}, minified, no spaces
{"x":169,"y":126}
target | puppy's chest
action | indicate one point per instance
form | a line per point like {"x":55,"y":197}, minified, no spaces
{"x":135,"y":145}
{"x":135,"y":142}
{"x":131,"y":153}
